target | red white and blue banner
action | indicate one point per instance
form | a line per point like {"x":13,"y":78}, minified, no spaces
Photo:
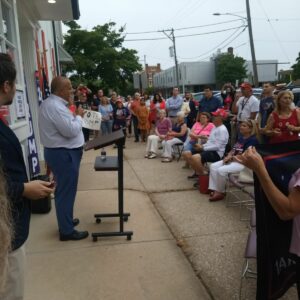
{"x":33,"y":158}
{"x":277,"y":268}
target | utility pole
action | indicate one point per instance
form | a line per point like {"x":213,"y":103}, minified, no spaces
{"x":254,"y":65}
{"x":172,"y":38}
{"x":175,"y":57}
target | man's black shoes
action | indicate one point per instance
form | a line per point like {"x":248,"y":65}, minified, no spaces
{"x":74,"y":236}
{"x":75,"y":222}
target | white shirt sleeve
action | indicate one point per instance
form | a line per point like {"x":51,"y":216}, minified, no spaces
{"x":255,"y":105}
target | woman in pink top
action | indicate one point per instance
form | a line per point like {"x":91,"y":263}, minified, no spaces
{"x":286,"y":207}
{"x":200,"y":131}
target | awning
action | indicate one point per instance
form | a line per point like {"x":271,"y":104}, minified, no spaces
{"x":61,"y":10}
{"x":63,"y":56}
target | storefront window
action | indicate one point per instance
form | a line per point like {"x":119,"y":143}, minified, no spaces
{"x":8,"y":44}
{"x":7,"y":21}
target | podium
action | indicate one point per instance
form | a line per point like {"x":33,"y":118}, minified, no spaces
{"x":111,"y":163}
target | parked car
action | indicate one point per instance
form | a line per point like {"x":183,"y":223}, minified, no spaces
{"x":296,"y":92}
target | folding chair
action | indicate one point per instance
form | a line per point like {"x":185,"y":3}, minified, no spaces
{"x":250,"y":253}
{"x":240,"y":191}
{"x":178,"y":149}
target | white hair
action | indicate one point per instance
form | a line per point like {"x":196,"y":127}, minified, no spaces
{"x":180,"y":114}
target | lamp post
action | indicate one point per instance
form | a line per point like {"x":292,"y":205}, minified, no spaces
{"x":249,"y":24}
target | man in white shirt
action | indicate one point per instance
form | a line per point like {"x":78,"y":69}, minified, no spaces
{"x":62,"y":137}
{"x":246,"y":106}
{"x":213,"y":150}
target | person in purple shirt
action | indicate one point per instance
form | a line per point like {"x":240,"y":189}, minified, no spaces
{"x":163,"y":126}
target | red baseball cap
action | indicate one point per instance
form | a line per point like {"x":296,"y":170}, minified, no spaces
{"x":246,"y":86}
{"x":220,"y":112}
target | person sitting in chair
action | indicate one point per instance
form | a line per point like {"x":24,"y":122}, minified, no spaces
{"x":176,"y":135}
{"x":214,"y":149}
{"x":163,"y":126}
{"x":220,"y":169}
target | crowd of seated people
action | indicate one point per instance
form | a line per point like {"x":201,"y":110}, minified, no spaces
{"x":223,"y":129}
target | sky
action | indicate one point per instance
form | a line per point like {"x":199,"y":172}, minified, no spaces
{"x":275,"y":25}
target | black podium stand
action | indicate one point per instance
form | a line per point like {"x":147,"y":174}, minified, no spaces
{"x":111,"y":163}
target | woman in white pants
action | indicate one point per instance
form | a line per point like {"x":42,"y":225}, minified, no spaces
{"x":163,"y":126}
{"x":177,"y":135}
{"x":220,"y":169}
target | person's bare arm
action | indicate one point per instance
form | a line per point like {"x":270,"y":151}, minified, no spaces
{"x":234,"y":106}
{"x":253,"y":115}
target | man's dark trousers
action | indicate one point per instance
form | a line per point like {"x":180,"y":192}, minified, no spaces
{"x":65,"y":164}
{"x":135,"y":127}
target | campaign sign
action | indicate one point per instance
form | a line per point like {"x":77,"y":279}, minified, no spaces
{"x":277,"y":268}
{"x":92,"y":120}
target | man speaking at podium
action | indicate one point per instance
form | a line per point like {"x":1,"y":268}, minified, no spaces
{"x":62,"y":137}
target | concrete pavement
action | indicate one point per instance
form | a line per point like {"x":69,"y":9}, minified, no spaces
{"x":183,"y":247}
{"x":150,"y":266}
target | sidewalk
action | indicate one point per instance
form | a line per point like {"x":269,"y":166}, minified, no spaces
{"x":150,"y":266}
{"x":166,"y":212}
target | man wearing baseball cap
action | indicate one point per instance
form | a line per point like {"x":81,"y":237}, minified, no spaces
{"x":213,"y":150}
{"x":246,"y":106}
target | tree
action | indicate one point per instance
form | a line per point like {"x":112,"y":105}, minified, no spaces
{"x":296,"y":68}
{"x":100,"y":60}
{"x":229,"y":68}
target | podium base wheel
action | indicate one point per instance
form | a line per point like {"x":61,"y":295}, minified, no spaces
{"x":98,"y":221}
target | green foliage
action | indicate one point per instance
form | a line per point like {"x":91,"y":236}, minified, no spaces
{"x":100,"y":59}
{"x":229,"y":68}
{"x":149,"y":90}
{"x":296,"y":68}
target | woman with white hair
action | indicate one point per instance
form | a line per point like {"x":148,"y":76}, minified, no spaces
{"x":5,"y":233}
{"x":220,"y":169}
{"x":176,"y":135}
{"x":283,"y":124}
{"x":163,"y":126}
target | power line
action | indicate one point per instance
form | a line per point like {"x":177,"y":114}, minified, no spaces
{"x":277,"y":19}
{"x":274,"y":31}
{"x":219,"y":45}
{"x":185,"y":28}
{"x":182,"y":36}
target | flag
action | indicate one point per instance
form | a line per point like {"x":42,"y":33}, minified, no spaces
{"x":33,"y":158}
{"x":38,"y":87}
{"x":46,"y":90}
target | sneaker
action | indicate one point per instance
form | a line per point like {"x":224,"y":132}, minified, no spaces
{"x":153,"y":155}
{"x":167,"y":160}
{"x":147,"y":155}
